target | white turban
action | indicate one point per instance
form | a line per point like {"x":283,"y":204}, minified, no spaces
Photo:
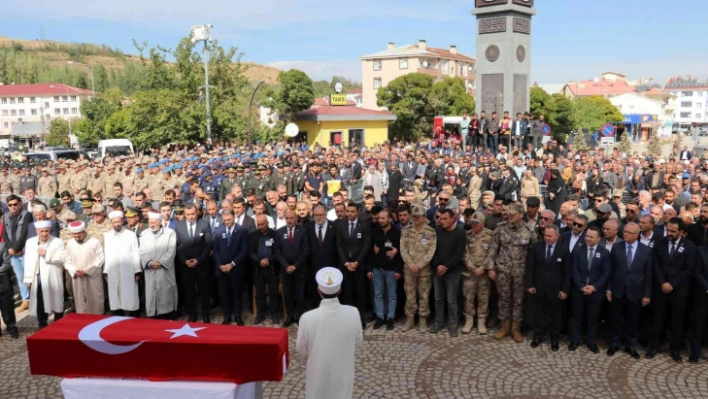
{"x":43,"y":224}
{"x":154,"y":215}
{"x":329,"y":279}
{"x":77,"y":227}
{"x":115,"y":214}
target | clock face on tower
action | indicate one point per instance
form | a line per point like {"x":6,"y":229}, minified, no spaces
{"x":525,"y":3}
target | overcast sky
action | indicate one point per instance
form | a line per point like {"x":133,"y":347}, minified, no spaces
{"x":572,"y":39}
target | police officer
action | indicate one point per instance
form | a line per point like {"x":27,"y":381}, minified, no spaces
{"x":475,"y":282}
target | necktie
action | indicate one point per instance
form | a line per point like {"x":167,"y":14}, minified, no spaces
{"x":319,"y":234}
{"x":591,"y":254}
{"x":191,"y":231}
{"x":211,"y":223}
{"x":548,"y":253}
{"x":671,"y":248}
{"x":228,"y":235}
{"x":351,"y":229}
{"x":629,"y":256}
{"x":290,"y":235}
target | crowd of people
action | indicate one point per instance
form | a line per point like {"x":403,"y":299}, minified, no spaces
{"x":513,"y":236}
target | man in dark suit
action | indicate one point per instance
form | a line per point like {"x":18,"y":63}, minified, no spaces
{"x":242,"y":219}
{"x":353,"y":246}
{"x":685,"y":155}
{"x":576,"y":236}
{"x":410,"y":168}
{"x":322,"y":235}
{"x":591,"y":271}
{"x":547,"y":280}
{"x":194,"y":241}
{"x":629,"y":289}
{"x":230,"y":246}
{"x":700,"y":302}
{"x":265,"y":270}
{"x":212,"y":216}
{"x":674,"y":258}
{"x":293,"y":249}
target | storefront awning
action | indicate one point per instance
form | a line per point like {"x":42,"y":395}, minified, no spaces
{"x":27,"y":129}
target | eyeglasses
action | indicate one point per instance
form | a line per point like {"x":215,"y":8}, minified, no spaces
{"x":545,"y":218}
{"x":631,"y":210}
{"x":580,"y":225}
{"x":13,"y":204}
{"x":443,"y":199}
{"x":598,"y":200}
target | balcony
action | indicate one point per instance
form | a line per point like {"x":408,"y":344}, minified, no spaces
{"x":435,"y":73}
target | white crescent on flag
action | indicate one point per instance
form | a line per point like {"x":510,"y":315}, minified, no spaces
{"x":91,"y":337}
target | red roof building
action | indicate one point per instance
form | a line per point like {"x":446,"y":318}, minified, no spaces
{"x":43,"y":89}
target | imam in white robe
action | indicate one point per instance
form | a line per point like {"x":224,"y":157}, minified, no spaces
{"x":88,"y":257}
{"x":51,"y":273}
{"x":160,"y":283}
{"x":327,"y":340}
{"x":122,"y":263}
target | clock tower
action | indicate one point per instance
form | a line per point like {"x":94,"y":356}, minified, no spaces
{"x":503,"y":55}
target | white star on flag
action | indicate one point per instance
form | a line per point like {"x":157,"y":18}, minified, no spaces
{"x":185,"y":330}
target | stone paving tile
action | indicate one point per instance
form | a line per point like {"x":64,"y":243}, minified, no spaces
{"x":393,"y":364}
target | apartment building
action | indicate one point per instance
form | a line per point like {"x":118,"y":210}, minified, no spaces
{"x":378,"y":69}
{"x":691,"y":102}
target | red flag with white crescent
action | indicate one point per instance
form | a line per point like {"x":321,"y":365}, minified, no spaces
{"x":124,"y":347}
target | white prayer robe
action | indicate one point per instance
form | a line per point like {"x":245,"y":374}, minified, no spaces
{"x":51,"y":273}
{"x":160,"y":283}
{"x":122,"y":262}
{"x":327,"y":340}
{"x":88,"y":257}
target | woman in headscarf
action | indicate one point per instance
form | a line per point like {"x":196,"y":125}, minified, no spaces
{"x":594,"y":182}
{"x":557,"y":191}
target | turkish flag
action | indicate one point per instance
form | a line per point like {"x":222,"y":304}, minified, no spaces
{"x":82,"y":345}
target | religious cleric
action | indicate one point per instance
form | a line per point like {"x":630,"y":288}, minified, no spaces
{"x":157,"y":257}
{"x":84,"y":262}
{"x":122,"y":266}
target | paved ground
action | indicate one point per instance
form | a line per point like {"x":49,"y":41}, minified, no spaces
{"x":414,"y":365}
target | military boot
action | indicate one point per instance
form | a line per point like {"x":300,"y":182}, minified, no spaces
{"x":423,"y":325}
{"x":503,"y":330}
{"x":516,"y":332}
{"x":482,"y":325}
{"x":410,"y":322}
{"x":468,"y":325}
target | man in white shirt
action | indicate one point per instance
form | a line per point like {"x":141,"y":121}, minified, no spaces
{"x":646,"y":235}
{"x":577,"y":234}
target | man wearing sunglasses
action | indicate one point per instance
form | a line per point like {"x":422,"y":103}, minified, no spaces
{"x":14,"y":234}
{"x":576,"y":236}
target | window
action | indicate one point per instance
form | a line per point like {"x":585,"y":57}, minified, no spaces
{"x":403,"y":63}
{"x":6,"y":125}
{"x":698,"y":116}
{"x":443,"y":68}
{"x":33,"y":100}
{"x":34,"y":112}
{"x":377,"y":65}
{"x":21,"y":100}
{"x":66,"y":111}
{"x":64,"y":99}
{"x":4,"y":112}
{"x":462,"y":70}
{"x":57,"y":111}
{"x":377,"y":83}
{"x":699,"y":105}
{"x":22,"y":112}
{"x":12,"y":101}
{"x":47,"y":117}
{"x":46,"y":104}
{"x":73,"y":99}
{"x":686,"y":94}
{"x":685,"y":114}
{"x":13,"y":112}
{"x":686,"y":104}
{"x":56,"y":99}
{"x":74,"y":111}
{"x":4,"y":101}
{"x":13,"y":124}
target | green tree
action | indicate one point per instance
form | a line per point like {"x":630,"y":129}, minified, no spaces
{"x":654,"y":146}
{"x":407,"y":97}
{"x":541,"y":103}
{"x":100,"y":78}
{"x":295,"y":93}
{"x":595,"y":111}
{"x":624,"y":144}
{"x":450,"y":97}
{"x":58,"y":133}
{"x":563,"y":120}
{"x":96,"y":112}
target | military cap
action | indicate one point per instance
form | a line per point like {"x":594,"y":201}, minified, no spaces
{"x":53,"y":203}
{"x":178,"y":208}
{"x":165,"y":170}
{"x":139,"y":170}
{"x":131,"y":212}
{"x":97,"y":208}
{"x":261,"y":167}
{"x":533,"y":201}
{"x":87,"y":202}
{"x":417,"y":209}
{"x":46,"y":170}
{"x":478,"y":217}
{"x":515,"y":209}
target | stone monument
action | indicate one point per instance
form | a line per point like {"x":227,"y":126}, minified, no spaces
{"x":503,"y":55}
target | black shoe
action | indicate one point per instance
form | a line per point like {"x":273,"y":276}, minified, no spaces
{"x":435,"y":328}
{"x":676,"y":355}
{"x":192,"y":318}
{"x":554,"y":346}
{"x":227,"y":320}
{"x":41,"y":326}
{"x":260,"y":319}
{"x":389,"y":325}
{"x":206,"y":319}
{"x":371,"y":317}
{"x":694,"y":357}
{"x":453,"y":332}
{"x":275,"y":320}
{"x":14,"y":333}
{"x":239,"y":320}
{"x":379,"y":323}
{"x":593,"y":348}
{"x":632,"y":352}
{"x":573,"y":346}
{"x":288,"y":322}
{"x":651,"y":353}
{"x":536,"y":342}
{"x":611,"y":351}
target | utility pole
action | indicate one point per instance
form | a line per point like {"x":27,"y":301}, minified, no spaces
{"x":201,"y":33}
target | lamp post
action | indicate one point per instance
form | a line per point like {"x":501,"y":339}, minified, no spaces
{"x":93,"y":92}
{"x":200,"y":33}
{"x":250,"y":114}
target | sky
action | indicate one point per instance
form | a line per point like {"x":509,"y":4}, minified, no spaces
{"x":572,"y":39}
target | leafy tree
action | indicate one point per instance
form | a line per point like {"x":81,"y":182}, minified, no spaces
{"x":595,"y":111}
{"x":450,"y":97}
{"x":407,"y":97}
{"x":295,"y":93}
{"x":541,"y":103}
{"x":624,"y":144}
{"x":58,"y":133}
{"x":563,"y":120}
{"x":100,"y":78}
{"x":96,"y":112}
{"x":654,"y":145}
{"x":324,"y":88}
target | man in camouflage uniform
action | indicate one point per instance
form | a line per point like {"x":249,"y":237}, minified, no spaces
{"x":109,"y":179}
{"x":47,"y":184}
{"x":62,"y":214}
{"x":127,"y":178}
{"x":78,"y":180}
{"x":97,"y":182}
{"x":475,"y":282}
{"x":418,"y":243}
{"x":63,"y":179}
{"x":5,"y":183}
{"x":100,"y":224}
{"x":506,"y":263}
{"x":140,"y":181}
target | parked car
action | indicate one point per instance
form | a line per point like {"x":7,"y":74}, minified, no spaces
{"x":55,"y":154}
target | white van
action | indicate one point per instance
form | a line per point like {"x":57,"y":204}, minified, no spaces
{"x":115,"y":147}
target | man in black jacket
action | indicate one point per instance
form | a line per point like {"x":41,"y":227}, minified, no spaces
{"x":6,"y":303}
{"x":384,"y":268}
{"x":265,"y":270}
{"x":194,"y":240}
{"x":547,"y":280}
{"x":353,"y":247}
{"x":292,"y":249}
{"x":322,"y":237}
{"x":14,"y":234}
{"x":700,"y":302}
{"x":674,"y":258}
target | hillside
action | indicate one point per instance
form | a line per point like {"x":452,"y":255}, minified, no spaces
{"x":58,"y":53}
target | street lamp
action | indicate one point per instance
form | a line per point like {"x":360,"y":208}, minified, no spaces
{"x":200,"y":33}
{"x":93,"y":92}
{"x":250,"y":114}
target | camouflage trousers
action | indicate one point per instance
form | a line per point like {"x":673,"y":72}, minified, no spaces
{"x":511,"y":296}
{"x":476,"y":286}
{"x":417,"y":289}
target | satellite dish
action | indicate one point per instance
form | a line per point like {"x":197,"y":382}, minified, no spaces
{"x":338,"y":87}
{"x":291,"y":130}
{"x":425,"y":64}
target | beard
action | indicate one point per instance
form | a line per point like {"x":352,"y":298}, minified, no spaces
{"x":118,"y":229}
{"x":155,"y":229}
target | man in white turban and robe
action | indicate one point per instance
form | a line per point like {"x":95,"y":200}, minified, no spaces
{"x":122,"y":268}
{"x":84,"y":262}
{"x":158,"y":246}
{"x":44,"y":273}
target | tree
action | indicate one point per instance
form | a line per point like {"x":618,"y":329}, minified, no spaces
{"x":450,"y":97}
{"x":96,"y":112}
{"x":407,"y":97}
{"x":625,"y":145}
{"x":294,"y":94}
{"x":654,"y":146}
{"x":563,"y":121}
{"x":596,"y":111}
{"x":58,"y":133}
{"x":541,"y":103}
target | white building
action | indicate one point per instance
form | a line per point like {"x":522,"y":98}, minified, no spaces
{"x":653,"y":112}
{"x":691,"y":102}
{"x":38,"y":103}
